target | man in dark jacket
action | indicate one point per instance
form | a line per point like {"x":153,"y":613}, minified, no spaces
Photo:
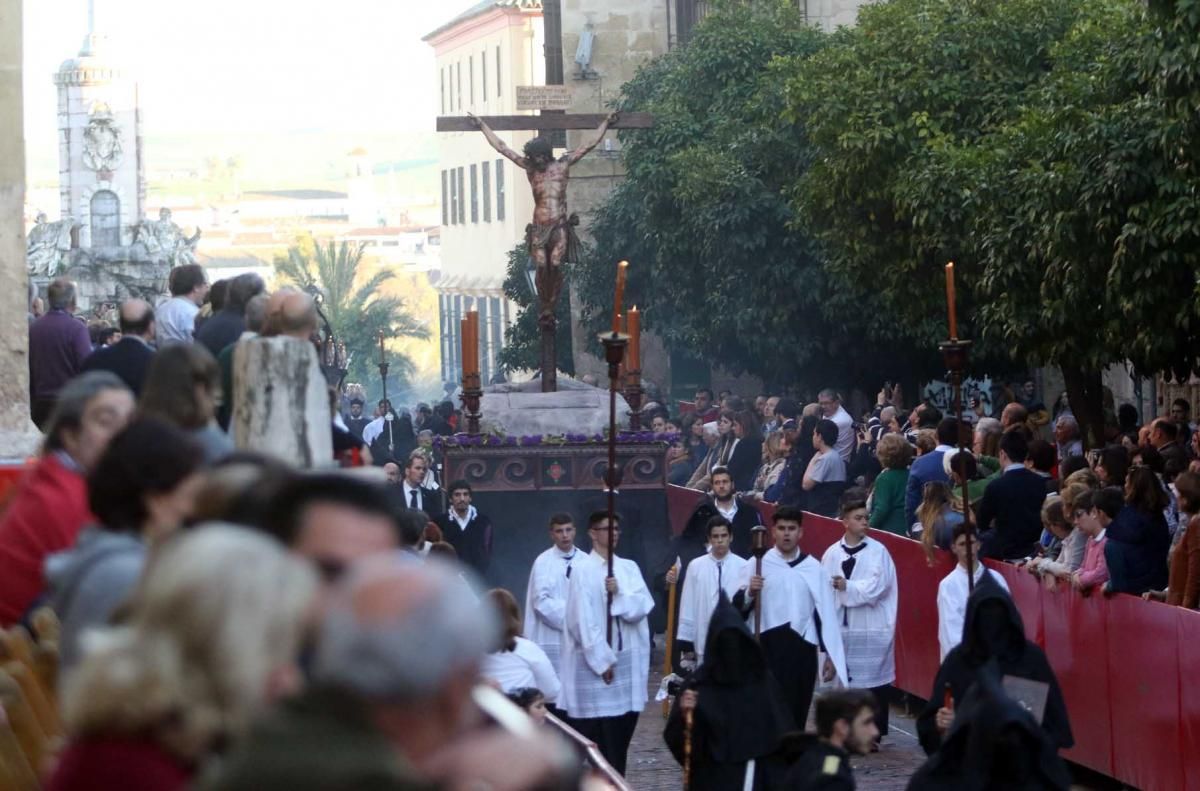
{"x":129,"y":358}
{"x":845,"y":727}
{"x":1010,"y":514}
{"x":228,"y":324}
{"x":467,"y":530}
{"x":741,"y":514}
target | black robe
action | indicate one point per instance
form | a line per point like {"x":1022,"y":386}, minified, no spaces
{"x":994,"y":745}
{"x":739,"y":713}
{"x":1001,"y":639}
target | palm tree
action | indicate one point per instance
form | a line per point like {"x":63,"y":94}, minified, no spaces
{"x":357,"y":315}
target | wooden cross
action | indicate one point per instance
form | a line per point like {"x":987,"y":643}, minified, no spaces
{"x":549,"y":121}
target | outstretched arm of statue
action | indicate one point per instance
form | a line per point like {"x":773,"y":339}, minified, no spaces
{"x":586,"y":148}
{"x":496,"y":142}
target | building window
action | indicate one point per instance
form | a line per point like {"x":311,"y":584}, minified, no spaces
{"x":445,"y":200}
{"x":106,"y":219}
{"x":458,"y":71}
{"x":462,"y":197}
{"x":500,"y":189}
{"x":483,"y":80}
{"x":499,"y":86}
{"x":486,"y":189}
{"x":471,"y":78}
{"x":442,"y":84}
{"x":474,"y":193}
{"x":453,"y":198}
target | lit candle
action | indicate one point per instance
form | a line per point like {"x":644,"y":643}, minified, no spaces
{"x":950,"y":300}
{"x":382,"y":358}
{"x":619,"y":296}
{"x":473,"y":322}
{"x":634,"y":356}
{"x":463,"y":331}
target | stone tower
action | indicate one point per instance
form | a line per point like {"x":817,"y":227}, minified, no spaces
{"x":102,"y":183}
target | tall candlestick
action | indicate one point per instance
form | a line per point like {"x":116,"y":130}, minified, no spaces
{"x":633,"y":358}
{"x":950,"y":300}
{"x":382,"y":358}
{"x":619,"y":295}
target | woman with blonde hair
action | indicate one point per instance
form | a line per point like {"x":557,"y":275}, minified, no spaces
{"x":774,"y":456}
{"x":887,"y":498}
{"x":936,"y":517}
{"x":211,"y":637}
{"x":517,"y":663}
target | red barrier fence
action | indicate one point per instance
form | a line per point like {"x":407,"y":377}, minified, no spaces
{"x":1122,"y":662}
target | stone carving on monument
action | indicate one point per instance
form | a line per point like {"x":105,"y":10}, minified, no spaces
{"x":49,"y":246}
{"x":164,"y":242}
{"x":102,"y":147}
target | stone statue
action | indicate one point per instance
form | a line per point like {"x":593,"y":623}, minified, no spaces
{"x":48,"y":245}
{"x":164,"y":240}
{"x":102,"y":147}
{"x":551,"y":237}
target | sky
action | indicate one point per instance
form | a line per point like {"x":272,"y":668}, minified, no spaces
{"x":229,"y":66}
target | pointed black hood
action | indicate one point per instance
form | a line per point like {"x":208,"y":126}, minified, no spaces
{"x":992,"y":626}
{"x":694,"y":529}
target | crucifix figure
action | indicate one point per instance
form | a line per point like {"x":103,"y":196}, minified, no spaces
{"x":551,"y":237}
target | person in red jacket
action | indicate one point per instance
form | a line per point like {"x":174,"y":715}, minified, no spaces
{"x":50,"y":505}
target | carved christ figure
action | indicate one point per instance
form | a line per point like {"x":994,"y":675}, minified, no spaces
{"x":551,"y":237}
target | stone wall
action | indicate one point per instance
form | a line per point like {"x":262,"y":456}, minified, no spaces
{"x":18,"y":437}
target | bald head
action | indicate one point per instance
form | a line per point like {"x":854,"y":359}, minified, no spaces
{"x":137,"y":318}
{"x":400,"y":631}
{"x":274,"y":308}
{"x":298,"y":316}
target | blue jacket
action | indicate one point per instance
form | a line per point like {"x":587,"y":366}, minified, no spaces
{"x":1136,"y":551}
{"x":924,"y":469}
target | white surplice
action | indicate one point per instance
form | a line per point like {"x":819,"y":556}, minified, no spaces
{"x":866,"y":612}
{"x":546,"y":599}
{"x":700,"y":594}
{"x":952,"y":603}
{"x":790,"y":595}
{"x":586,"y":654}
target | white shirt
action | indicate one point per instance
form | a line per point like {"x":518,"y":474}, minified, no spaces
{"x":791,"y":594}
{"x":546,"y":598}
{"x":463,"y":521}
{"x":175,"y":321}
{"x":866,"y":612}
{"x":525,"y":666}
{"x":408,"y":494}
{"x":731,"y":513}
{"x":586,"y":654}
{"x":845,"y":440}
{"x":952,"y":603}
{"x":700,"y":595}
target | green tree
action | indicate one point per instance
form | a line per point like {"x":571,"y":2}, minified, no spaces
{"x":522,"y":339}
{"x":704,"y":219}
{"x":357,"y":313}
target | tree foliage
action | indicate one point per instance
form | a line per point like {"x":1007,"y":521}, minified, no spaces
{"x":522,"y":339}
{"x":704,"y":219}
{"x":357,"y":312}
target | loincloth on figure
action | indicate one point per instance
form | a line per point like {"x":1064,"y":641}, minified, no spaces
{"x":540,"y":236}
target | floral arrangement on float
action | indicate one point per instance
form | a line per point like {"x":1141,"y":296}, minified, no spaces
{"x":539,"y":440}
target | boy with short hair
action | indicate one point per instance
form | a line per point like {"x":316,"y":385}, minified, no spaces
{"x":953,"y":590}
{"x":1098,"y":509}
{"x":707,"y":576}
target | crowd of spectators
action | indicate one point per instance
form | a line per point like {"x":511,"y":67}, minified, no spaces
{"x":1121,"y":517}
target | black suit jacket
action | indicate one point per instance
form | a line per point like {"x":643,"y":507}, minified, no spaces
{"x":744,"y":462}
{"x":431,"y":502}
{"x":128,"y":358}
{"x":1010,"y":514}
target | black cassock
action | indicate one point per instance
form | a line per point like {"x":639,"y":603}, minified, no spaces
{"x":994,"y":633}
{"x":994,"y":745}
{"x":739,"y":716}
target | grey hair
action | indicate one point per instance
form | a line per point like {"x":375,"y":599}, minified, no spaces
{"x":988,"y":425}
{"x":256,"y":312}
{"x":73,"y":400}
{"x":886,"y":414}
{"x":829,"y":393}
{"x":411,"y":654}
{"x":1070,"y":422}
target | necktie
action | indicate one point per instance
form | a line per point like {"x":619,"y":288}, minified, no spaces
{"x":720,"y":564}
{"x":568,"y":559}
{"x":413,"y":503}
{"x":848,"y":569}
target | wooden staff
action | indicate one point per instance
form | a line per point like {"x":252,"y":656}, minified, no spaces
{"x":758,"y":535}
{"x":666,"y":705}
{"x":687,"y":749}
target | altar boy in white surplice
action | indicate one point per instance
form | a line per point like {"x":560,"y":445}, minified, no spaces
{"x":707,"y":575}
{"x":546,"y":595}
{"x":864,"y":578}
{"x":603,"y":686}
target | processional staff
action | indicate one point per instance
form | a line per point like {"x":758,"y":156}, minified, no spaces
{"x":614,"y":354}
{"x":758,"y":537}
